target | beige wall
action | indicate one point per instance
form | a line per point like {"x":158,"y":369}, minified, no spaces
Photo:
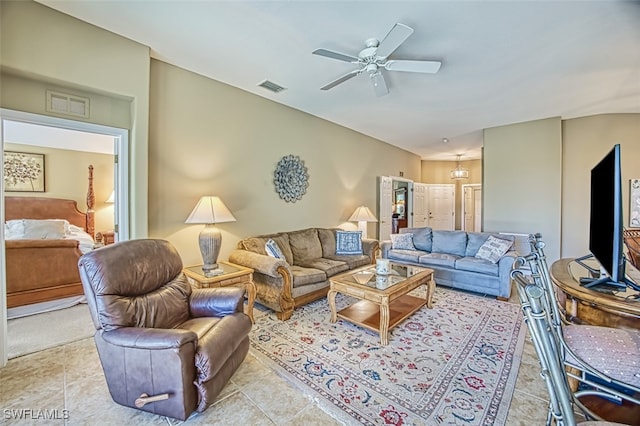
{"x":208,"y":138}
{"x":586,"y":141}
{"x":66,"y":176}
{"x":522,"y":182}
{"x":439,"y":172}
{"x":61,"y":52}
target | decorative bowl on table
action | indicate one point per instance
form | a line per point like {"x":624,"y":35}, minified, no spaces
{"x":363,"y":277}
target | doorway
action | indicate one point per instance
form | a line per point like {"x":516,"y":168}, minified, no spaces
{"x":441,"y":204}
{"x":472,"y":207}
{"x":121,"y":172}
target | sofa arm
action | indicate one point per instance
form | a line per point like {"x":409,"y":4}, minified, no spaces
{"x":369,"y":248}
{"x":505,"y":265}
{"x":216,"y":302}
{"x":261,"y":263}
{"x":385,"y":246}
{"x":149,"y":338}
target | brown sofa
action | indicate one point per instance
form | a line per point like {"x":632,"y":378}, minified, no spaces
{"x":164,"y":348}
{"x":303,"y":276}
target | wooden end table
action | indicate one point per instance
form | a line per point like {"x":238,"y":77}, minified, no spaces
{"x":384,"y":301}
{"x":232,"y":275}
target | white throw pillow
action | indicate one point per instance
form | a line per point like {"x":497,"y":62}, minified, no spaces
{"x":273,"y":249}
{"x":48,"y":229}
{"x":493,"y":249}
{"x":402,"y":241}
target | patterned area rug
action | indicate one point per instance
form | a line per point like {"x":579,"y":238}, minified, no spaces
{"x":454,"y":364}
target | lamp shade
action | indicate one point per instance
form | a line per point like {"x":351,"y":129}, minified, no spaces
{"x":210,"y":209}
{"x":112,"y":198}
{"x":362,"y":213}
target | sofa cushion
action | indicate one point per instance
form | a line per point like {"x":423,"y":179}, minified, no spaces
{"x":402,"y":242}
{"x":439,"y":259}
{"x":329,"y":266}
{"x":474,"y":264}
{"x":405,"y":255}
{"x":450,"y":242}
{"x":255,"y":244}
{"x":422,"y":237}
{"x":305,"y":276}
{"x":328,"y":241}
{"x":353,"y":261}
{"x":305,"y":245}
{"x":493,"y":249}
{"x":348,"y":242}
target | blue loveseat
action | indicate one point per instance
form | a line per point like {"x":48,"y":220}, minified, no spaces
{"x":452,"y":255}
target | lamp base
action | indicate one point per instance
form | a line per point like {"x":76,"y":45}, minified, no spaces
{"x":208,"y":273}
{"x":210,"y":241}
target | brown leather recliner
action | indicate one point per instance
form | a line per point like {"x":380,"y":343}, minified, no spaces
{"x":164,"y":348}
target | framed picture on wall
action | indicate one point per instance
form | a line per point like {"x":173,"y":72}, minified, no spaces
{"x":23,"y":172}
{"x":634,"y":204}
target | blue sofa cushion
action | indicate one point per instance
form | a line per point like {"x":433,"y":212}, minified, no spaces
{"x":405,"y":255}
{"x":450,"y":242}
{"x":348,"y":242}
{"x":422,"y":237}
{"x":439,"y":259}
{"x":474,"y":264}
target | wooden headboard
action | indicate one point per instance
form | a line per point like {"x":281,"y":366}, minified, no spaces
{"x":53,"y":208}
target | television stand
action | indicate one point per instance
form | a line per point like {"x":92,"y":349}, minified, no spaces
{"x":603,"y":283}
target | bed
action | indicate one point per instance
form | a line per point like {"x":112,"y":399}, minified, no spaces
{"x":45,"y":268}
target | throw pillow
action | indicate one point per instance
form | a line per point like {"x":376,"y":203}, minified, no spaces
{"x":273,"y":250}
{"x":348,"y":242}
{"x":402,"y":241}
{"x":493,"y":249}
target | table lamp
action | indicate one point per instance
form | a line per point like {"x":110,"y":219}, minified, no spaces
{"x":362,"y":215}
{"x":209,"y":211}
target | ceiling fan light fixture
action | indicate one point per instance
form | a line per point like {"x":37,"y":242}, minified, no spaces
{"x":459,"y":172}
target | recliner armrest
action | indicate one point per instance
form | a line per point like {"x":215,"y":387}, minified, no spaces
{"x":216,"y":302}
{"x":149,"y":338}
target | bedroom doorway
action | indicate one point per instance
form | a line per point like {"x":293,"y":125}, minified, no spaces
{"x":10,"y":119}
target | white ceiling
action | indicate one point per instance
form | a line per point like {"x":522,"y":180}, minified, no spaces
{"x":503,"y":62}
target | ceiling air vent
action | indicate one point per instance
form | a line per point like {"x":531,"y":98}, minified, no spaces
{"x":67,"y":104}
{"x":269,"y":85}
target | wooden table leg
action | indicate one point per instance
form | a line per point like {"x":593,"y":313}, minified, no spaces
{"x":331,"y":296}
{"x":431,"y":288}
{"x":251,"y":298}
{"x":384,"y":322}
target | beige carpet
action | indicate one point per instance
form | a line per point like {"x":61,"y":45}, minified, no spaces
{"x":47,"y":330}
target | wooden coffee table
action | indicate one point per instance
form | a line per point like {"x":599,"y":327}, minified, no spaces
{"x":384,"y":301}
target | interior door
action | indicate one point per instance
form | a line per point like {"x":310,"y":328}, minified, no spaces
{"x":441,"y":206}
{"x":477,"y":208}
{"x":420,"y":209}
{"x":468,"y":210}
{"x":385,"y":207}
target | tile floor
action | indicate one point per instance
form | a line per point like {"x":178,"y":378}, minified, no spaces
{"x":70,"y":378}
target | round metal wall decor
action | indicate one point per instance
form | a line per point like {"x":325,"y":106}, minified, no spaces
{"x":291,"y":178}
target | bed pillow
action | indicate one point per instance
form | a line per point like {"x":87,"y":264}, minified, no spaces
{"x":14,"y":229}
{"x":48,"y":229}
{"x":348,"y":242}
{"x":402,"y":241}
{"x":493,"y":249}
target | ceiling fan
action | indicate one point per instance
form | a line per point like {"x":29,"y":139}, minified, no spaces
{"x":373,"y":58}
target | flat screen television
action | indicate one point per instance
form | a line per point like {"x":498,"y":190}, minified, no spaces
{"x":606,"y":223}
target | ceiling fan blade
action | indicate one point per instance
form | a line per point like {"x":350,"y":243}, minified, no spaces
{"x":335,"y":55}
{"x":398,"y":34}
{"x":429,"y":67}
{"x":379,"y":85}
{"x":342,"y":79}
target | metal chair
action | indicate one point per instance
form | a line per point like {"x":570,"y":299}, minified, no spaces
{"x":563,"y":353}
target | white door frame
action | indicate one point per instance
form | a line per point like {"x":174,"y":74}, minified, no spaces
{"x":121,"y":189}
